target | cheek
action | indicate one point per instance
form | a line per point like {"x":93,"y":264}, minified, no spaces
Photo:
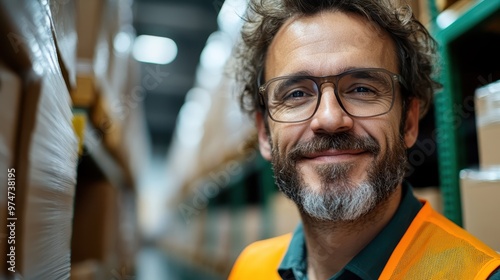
{"x":285,"y":136}
{"x":384,"y":131}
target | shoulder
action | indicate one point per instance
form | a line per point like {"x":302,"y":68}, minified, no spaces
{"x":266,"y":250}
{"x":264,"y":256}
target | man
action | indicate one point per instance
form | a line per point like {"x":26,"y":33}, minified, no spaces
{"x":337,"y":89}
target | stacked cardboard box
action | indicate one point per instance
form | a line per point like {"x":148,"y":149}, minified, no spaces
{"x":96,"y":235}
{"x":38,"y":71}
{"x":43,"y":148}
{"x":480,"y":193}
{"x":10,"y":95}
{"x":115,"y":139}
{"x":104,"y":224}
{"x":481,"y":187}
{"x":487,"y":102}
{"x":62,"y":16}
{"x":107,"y":81}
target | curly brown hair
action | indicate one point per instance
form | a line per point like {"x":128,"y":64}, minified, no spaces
{"x":414,"y":45}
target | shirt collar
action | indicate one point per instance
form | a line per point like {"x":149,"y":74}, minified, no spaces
{"x":364,"y":264}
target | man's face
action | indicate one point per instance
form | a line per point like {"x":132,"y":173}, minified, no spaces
{"x":336,"y":167}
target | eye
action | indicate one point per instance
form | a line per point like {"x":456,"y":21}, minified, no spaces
{"x":295,"y":94}
{"x":361,"y":89}
{"x":293,"y":90}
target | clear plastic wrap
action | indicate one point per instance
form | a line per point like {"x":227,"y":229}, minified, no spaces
{"x":62,"y":15}
{"x":51,"y":186}
{"x":47,"y":153}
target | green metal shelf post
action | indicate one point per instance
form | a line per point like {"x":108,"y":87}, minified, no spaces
{"x":449,"y":157}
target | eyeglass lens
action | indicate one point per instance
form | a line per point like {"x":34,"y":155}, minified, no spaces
{"x":361,"y":94}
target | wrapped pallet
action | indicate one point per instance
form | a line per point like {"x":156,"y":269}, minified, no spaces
{"x":46,"y":154}
{"x":62,"y":15}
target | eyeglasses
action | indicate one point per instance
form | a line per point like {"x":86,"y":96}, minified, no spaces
{"x":367,"y":92}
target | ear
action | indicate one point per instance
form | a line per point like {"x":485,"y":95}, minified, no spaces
{"x":411,"y":125}
{"x":264,"y":140}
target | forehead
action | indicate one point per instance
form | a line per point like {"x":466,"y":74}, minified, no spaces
{"x":329,"y":43}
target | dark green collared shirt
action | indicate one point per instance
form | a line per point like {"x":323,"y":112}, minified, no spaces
{"x":367,"y":264}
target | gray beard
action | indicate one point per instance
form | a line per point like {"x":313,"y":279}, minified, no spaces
{"x":338,"y":198}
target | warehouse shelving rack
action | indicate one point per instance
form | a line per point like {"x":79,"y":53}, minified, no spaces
{"x":468,"y":57}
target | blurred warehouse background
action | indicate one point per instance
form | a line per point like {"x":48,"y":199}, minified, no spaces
{"x":130,"y":156}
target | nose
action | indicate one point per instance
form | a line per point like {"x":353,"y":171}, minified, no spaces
{"x":330,"y":117}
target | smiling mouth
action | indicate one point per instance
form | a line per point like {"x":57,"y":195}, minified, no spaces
{"x":339,"y":148}
{"x":335,"y":155}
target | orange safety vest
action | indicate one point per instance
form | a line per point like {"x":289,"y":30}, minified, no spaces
{"x":432,"y":248}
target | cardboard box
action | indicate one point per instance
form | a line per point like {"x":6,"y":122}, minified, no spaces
{"x":10,"y":94}
{"x":95,"y":223}
{"x":62,"y":15}
{"x":480,"y":191}
{"x":84,"y":95}
{"x":87,"y":270}
{"x":88,"y":22}
{"x":431,"y":195}
{"x":97,"y":24}
{"x":487,"y":102}
{"x":442,"y":5}
{"x":105,"y":226}
{"x":489,"y":148}
{"x":47,"y":162}
{"x":46,"y":152}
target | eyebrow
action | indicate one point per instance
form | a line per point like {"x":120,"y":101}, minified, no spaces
{"x":288,"y":82}
{"x":309,"y":73}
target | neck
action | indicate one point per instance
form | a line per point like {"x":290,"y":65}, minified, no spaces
{"x":331,"y":245}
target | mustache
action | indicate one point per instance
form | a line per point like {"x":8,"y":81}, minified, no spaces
{"x":338,"y":141}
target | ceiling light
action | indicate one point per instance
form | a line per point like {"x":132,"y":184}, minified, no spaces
{"x":216,"y":51}
{"x":154,"y":49}
{"x":122,"y":42}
